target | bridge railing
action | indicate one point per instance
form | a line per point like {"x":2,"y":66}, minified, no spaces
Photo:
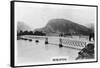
{"x":74,"y":43}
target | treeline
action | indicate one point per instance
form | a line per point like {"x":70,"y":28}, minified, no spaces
{"x":40,"y":33}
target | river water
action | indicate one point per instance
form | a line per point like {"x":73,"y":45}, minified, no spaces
{"x":30,"y":52}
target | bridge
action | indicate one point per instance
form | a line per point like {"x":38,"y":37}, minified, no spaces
{"x":76,"y":43}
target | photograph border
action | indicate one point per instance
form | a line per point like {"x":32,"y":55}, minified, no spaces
{"x":12,"y":37}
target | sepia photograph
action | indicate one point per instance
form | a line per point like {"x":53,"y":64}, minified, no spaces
{"x":51,"y":33}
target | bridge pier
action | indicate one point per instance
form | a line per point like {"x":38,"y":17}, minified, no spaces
{"x":60,"y":44}
{"x":46,"y":40}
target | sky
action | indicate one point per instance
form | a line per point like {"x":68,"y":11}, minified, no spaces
{"x":37,"y":15}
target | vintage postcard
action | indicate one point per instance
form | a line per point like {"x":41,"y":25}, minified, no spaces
{"x":53,"y":33}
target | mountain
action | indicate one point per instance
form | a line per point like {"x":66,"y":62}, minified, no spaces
{"x":21,"y":26}
{"x":91,"y":26}
{"x":64,"y":26}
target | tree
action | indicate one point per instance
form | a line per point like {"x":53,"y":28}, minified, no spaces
{"x":39,"y":33}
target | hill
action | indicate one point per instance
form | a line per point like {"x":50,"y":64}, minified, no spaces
{"x":21,"y":26}
{"x":64,"y":26}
